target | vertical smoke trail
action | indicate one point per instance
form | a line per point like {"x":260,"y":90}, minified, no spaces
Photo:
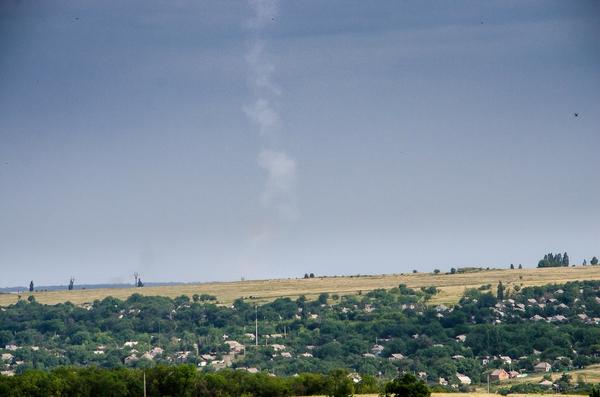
{"x":280,"y":168}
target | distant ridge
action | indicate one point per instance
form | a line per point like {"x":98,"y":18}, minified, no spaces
{"x":85,"y":286}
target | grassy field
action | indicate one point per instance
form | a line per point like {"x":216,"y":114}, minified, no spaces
{"x":474,"y":394}
{"x":589,"y":374}
{"x":451,"y":285}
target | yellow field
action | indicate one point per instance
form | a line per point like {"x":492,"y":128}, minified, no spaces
{"x":475,"y":394}
{"x":589,"y":374}
{"x":452,"y":286}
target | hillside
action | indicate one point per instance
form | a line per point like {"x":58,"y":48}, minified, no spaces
{"x":451,"y":285}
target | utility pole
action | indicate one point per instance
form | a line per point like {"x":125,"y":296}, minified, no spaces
{"x":144,"y":383}
{"x":488,"y":380}
{"x":256,"y":324}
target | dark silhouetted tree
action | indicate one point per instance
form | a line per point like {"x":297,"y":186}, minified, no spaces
{"x":594,"y":261}
{"x":71,"y":284}
{"x":407,"y":386}
{"x":500,"y":293}
{"x":31,"y":286}
{"x":139,"y":283}
{"x":512,"y":266}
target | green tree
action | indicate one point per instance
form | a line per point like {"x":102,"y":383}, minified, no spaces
{"x":323,"y":298}
{"x":407,"y":386}
{"x":500,"y":293}
{"x":339,"y":384}
{"x":594,"y":261}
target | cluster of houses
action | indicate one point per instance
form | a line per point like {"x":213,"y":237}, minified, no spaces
{"x":548,"y":303}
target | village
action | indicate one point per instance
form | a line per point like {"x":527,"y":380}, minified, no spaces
{"x":283,"y":352}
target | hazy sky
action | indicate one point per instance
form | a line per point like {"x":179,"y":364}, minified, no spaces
{"x":213,"y":140}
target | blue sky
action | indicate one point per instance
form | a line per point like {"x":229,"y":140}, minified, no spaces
{"x":196,"y":141}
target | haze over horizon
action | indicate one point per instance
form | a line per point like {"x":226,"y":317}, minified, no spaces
{"x":201,"y":141}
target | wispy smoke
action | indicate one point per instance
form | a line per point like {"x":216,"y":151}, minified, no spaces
{"x":279,"y":166}
{"x":281,"y":178}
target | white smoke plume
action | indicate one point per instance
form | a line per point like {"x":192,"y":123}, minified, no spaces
{"x":279,"y":166}
{"x":281,"y":178}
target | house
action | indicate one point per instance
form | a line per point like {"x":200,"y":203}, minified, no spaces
{"x":234,"y":346}
{"x":458,"y":357}
{"x":422,"y":375}
{"x":546,"y":383}
{"x":506,"y":359}
{"x":208,"y":357}
{"x":7,"y":373}
{"x":155,"y":351}
{"x":498,"y":375}
{"x":130,"y":343}
{"x":130,"y":359}
{"x":356,"y":378}
{"x":11,"y":347}
{"x":147,"y":356}
{"x":252,"y":370}
{"x":306,"y":355}
{"x":396,"y":357}
{"x":558,"y":318}
{"x":513,"y":374}
{"x":98,"y":352}
{"x":286,"y":355}
{"x":278,"y":347}
{"x":7,"y":357}
{"x":463,"y":379}
{"x":377,"y":349}
{"x":368,"y":355}
{"x":542,"y":367}
{"x":443,"y":381}
{"x":461,"y":338}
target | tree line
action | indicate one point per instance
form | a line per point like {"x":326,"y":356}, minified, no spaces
{"x":186,"y":381}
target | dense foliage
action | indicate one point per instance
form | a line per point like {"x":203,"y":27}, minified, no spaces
{"x":376,"y":334}
{"x":551,"y":260}
{"x":182,"y":381}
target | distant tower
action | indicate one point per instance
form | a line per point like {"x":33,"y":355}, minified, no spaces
{"x":256,"y":325}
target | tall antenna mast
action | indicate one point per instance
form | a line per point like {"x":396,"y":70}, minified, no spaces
{"x":256,"y":324}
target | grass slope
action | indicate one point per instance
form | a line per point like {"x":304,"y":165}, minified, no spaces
{"x":452,"y":286}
